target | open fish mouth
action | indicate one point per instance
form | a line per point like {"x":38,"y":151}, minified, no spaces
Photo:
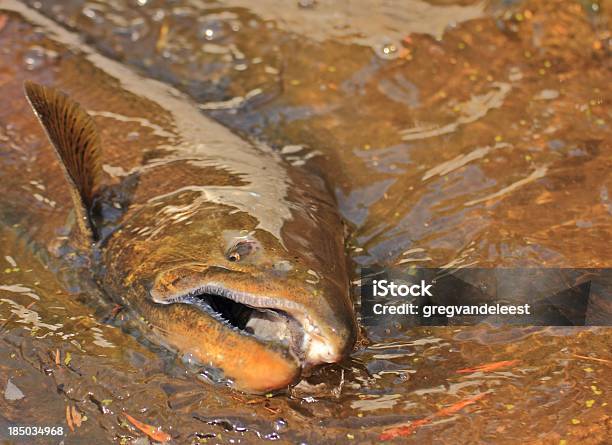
{"x":248,"y":314}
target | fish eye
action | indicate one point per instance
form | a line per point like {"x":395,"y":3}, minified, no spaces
{"x":241,"y":249}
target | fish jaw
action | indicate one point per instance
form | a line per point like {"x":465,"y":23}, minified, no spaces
{"x":257,"y":314}
{"x":249,"y":364}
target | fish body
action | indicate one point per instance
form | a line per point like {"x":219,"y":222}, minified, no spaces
{"x":227,"y":255}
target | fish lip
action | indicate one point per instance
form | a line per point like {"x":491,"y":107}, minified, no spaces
{"x":261,"y":303}
{"x":248,"y":299}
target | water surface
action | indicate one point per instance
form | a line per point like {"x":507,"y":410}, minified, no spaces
{"x":452,"y":133}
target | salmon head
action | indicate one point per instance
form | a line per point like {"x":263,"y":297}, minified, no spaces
{"x":201,"y":258}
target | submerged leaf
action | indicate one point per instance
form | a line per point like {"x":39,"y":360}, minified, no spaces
{"x":153,"y":432}
{"x":69,"y":418}
{"x":404,"y":430}
{"x":76,"y":417}
{"x":585,"y":357}
{"x":487,"y":367}
{"x":409,"y":428}
{"x":459,"y":405}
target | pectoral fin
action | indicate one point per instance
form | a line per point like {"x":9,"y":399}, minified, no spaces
{"x":76,"y":143}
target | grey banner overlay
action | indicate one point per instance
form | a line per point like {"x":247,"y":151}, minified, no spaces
{"x":467,"y":296}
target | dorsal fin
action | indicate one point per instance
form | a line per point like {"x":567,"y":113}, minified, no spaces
{"x":76,"y":143}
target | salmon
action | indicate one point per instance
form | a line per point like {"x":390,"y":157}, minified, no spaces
{"x":227,"y":255}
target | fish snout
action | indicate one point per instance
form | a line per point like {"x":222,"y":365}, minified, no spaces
{"x":291,"y":334}
{"x":330,"y":340}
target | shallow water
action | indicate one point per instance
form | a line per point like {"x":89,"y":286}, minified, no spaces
{"x":463,"y":133}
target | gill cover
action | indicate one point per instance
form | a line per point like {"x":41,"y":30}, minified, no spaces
{"x":76,"y":143}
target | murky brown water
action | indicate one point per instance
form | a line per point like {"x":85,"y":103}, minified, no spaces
{"x":462,"y":133}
